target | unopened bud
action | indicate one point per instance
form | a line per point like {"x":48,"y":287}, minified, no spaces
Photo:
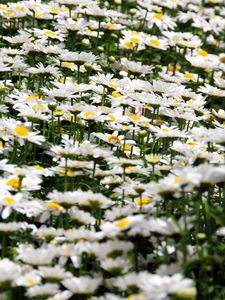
{"x":112,"y":59}
{"x":86,"y":42}
{"x":100,"y":49}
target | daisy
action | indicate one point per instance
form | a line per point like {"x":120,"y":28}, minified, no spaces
{"x":162,"y":21}
{"x":132,"y":40}
{"x":107,"y":80}
{"x":204,"y":60}
{"x":59,"y":94}
{"x":56,"y":273}
{"x":44,"y":290}
{"x":172,"y":4}
{"x":21,"y":132}
{"x":113,"y":139}
{"x":188,"y":76}
{"x":32,"y":113}
{"x":220,"y":82}
{"x":82,"y":57}
{"x":12,"y":271}
{"x":67,"y":150}
{"x":88,"y":149}
{"x":15,"y":11}
{"x":112,"y":229}
{"x":115,"y":266}
{"x":37,"y":257}
{"x":83,"y":285}
{"x":112,"y":26}
{"x":81,"y":217}
{"x":72,"y":25}
{"x":29,"y":279}
{"x":211,"y":90}
{"x":90,"y":114}
{"x":155,"y":42}
{"x":10,"y":202}
{"x":132,"y":66}
{"x":163,"y":226}
{"x":65,"y":295}
{"x":41,"y":69}
{"x":161,"y":285}
{"x":48,"y":34}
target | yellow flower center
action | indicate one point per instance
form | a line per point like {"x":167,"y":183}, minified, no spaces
{"x":21,"y":130}
{"x":54,"y":9}
{"x":2,"y":7}
{"x":123,"y":223}
{"x":38,"y":106}
{"x":9,"y":200}
{"x":39,"y":168}
{"x":112,"y":117}
{"x":114,"y":139}
{"x":189,"y":75}
{"x":58,"y":112}
{"x":177,"y":180}
{"x":112,"y":85}
{"x":135,"y":297}
{"x":68,"y":65}
{"x":134,"y":40}
{"x":165,"y":129}
{"x":154,"y":159}
{"x":154,"y":42}
{"x":130,"y":168}
{"x":89,"y":114}
{"x":54,"y":205}
{"x":135,"y":118}
{"x":69,"y":172}
{"x":203,"y":52}
{"x":50,"y":33}
{"x":145,"y":124}
{"x":192,"y":143}
{"x":143,"y":201}
{"x":116,"y":94}
{"x":111,"y":25}
{"x":129,"y":45}
{"x":9,"y":13}
{"x":158,"y":16}
{"x":31,"y":281}
{"x":31,"y":97}
{"x":126,"y":148}
{"x":39,"y":15}
{"x":172,"y":68}
{"x":14,"y":183}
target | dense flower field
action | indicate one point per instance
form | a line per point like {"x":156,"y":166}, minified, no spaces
{"x":112,"y":134}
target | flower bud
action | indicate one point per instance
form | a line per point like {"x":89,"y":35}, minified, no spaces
{"x":100,"y":49}
{"x":132,"y":11}
{"x":143,"y":133}
{"x":112,"y":59}
{"x":86,"y":43}
{"x":52,"y":105}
